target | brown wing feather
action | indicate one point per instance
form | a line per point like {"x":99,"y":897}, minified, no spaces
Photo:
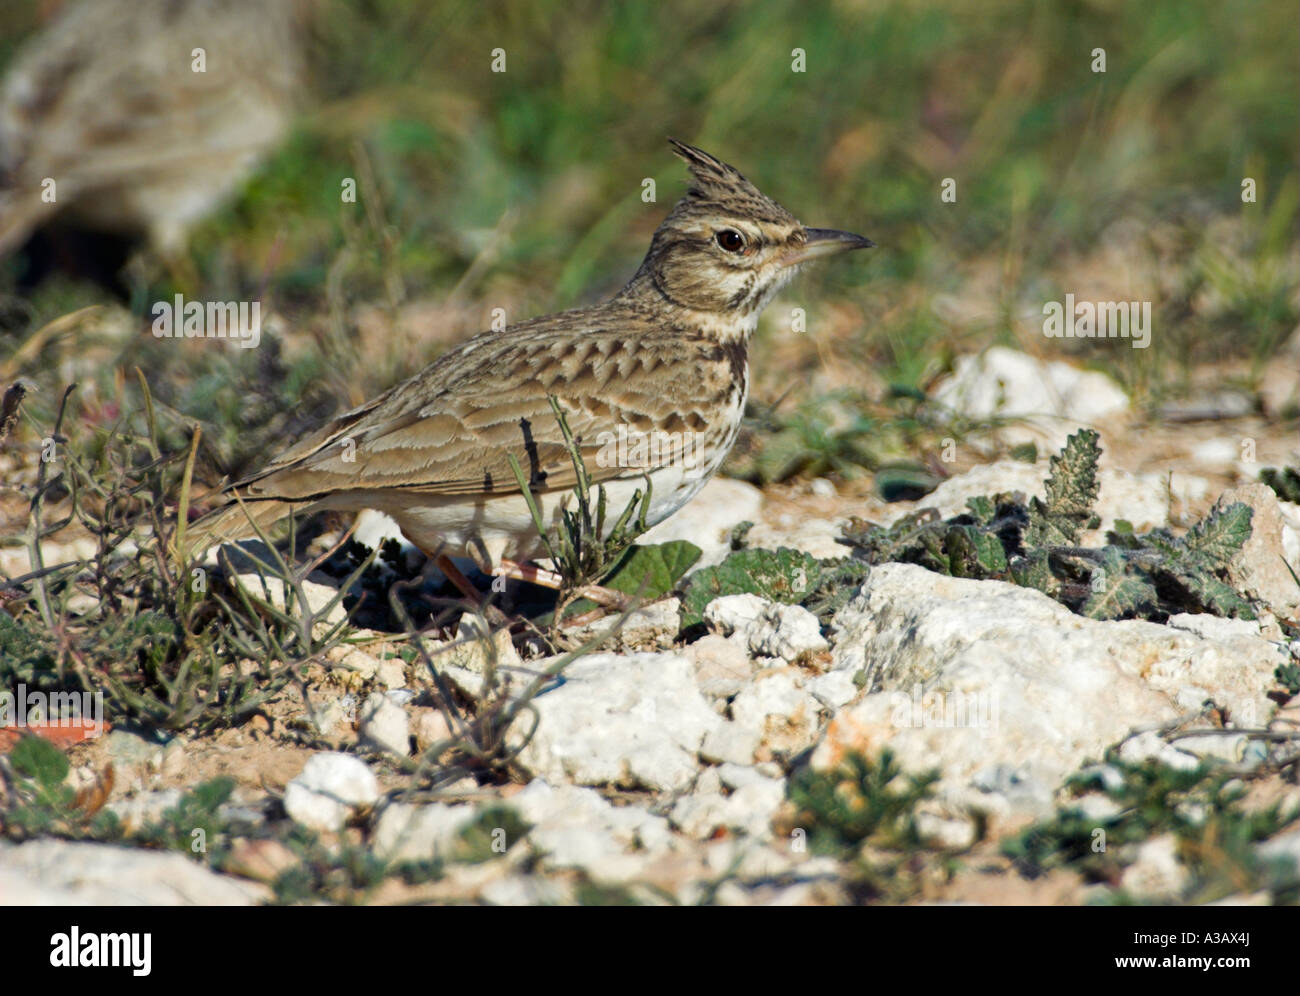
{"x":450,"y":429}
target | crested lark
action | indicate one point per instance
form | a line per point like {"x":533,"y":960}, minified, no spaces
{"x":653,"y":384}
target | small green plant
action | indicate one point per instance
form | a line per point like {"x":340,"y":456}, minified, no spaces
{"x":788,"y":576}
{"x":585,"y":551}
{"x":860,"y":801}
{"x":1285,"y":481}
{"x":1035,"y":544}
{"x":36,"y":801}
{"x":194,"y":825}
{"x":1202,"y":808}
{"x":863,"y":811}
{"x":156,"y":634}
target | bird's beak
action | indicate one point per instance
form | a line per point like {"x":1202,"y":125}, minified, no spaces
{"x":825,"y":242}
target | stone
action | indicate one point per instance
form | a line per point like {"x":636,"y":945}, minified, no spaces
{"x":429,"y":726}
{"x":417,"y":833}
{"x":1141,"y":500}
{"x":330,"y":786}
{"x":144,"y":809}
{"x":1007,"y":692}
{"x":650,"y":627}
{"x":779,"y":710}
{"x":1156,"y":872}
{"x":317,"y":595}
{"x":1050,"y":396}
{"x":384,"y":725}
{"x":1150,"y":746}
{"x":1260,"y":567}
{"x":66,"y":873}
{"x":770,"y":629}
{"x":473,"y":650}
{"x":722,"y":665}
{"x":635,"y":721}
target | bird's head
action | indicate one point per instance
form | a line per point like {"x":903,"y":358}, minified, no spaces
{"x":726,"y":248}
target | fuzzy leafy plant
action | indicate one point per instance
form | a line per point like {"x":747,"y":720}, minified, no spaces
{"x":1203,"y":809}
{"x":36,"y":801}
{"x":1283,"y":480}
{"x":585,"y":550}
{"x":1036,"y":544}
{"x":160,"y":637}
{"x":863,"y":812}
{"x":788,"y":576}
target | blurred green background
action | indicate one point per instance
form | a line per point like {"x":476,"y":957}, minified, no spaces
{"x":522,"y":189}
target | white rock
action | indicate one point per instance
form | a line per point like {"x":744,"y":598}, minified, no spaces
{"x":722,"y":665}
{"x":330,"y":785}
{"x":816,"y":537}
{"x":63,"y":873}
{"x":635,"y":721}
{"x":1101,"y":809}
{"x":1215,"y":627}
{"x":1217,"y":452}
{"x":392,"y":673}
{"x":834,"y":688}
{"x":1260,"y":566}
{"x":650,"y":627}
{"x":141,"y":810}
{"x":1141,"y":500}
{"x":770,"y":629}
{"x":970,"y":676}
{"x":1052,"y":396}
{"x":358,"y":661}
{"x":731,"y":742}
{"x":576,"y":828}
{"x":779,"y":710}
{"x":1156,"y":872}
{"x":822,"y":487}
{"x":384,"y":725}
{"x":1284,"y":850}
{"x":1151,"y":746}
{"x":1221,"y":747}
{"x":417,"y":833}
{"x":474,"y":649}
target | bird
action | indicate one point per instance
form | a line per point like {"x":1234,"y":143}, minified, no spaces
{"x":135,"y":119}
{"x":664,"y":361}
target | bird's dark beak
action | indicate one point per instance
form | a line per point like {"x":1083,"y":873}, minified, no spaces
{"x":823,"y":242}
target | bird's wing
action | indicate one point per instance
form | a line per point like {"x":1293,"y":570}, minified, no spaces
{"x":452,"y":429}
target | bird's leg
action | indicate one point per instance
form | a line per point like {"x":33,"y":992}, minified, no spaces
{"x":454,"y":575}
{"x":549,"y":579}
{"x":528,"y":572}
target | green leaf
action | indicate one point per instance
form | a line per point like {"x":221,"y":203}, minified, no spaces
{"x":1222,"y":534}
{"x":782,"y":455}
{"x":659,"y":565}
{"x":982,"y":508}
{"x":974,"y":553}
{"x":1072,"y":487}
{"x":38,"y":759}
{"x":1117,"y":591}
{"x":782,"y":575}
{"x":1286,"y":482}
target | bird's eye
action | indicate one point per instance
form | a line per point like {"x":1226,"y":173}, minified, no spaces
{"x":730,"y":240}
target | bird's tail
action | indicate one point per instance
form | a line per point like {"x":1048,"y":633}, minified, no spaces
{"x":236,"y":521}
